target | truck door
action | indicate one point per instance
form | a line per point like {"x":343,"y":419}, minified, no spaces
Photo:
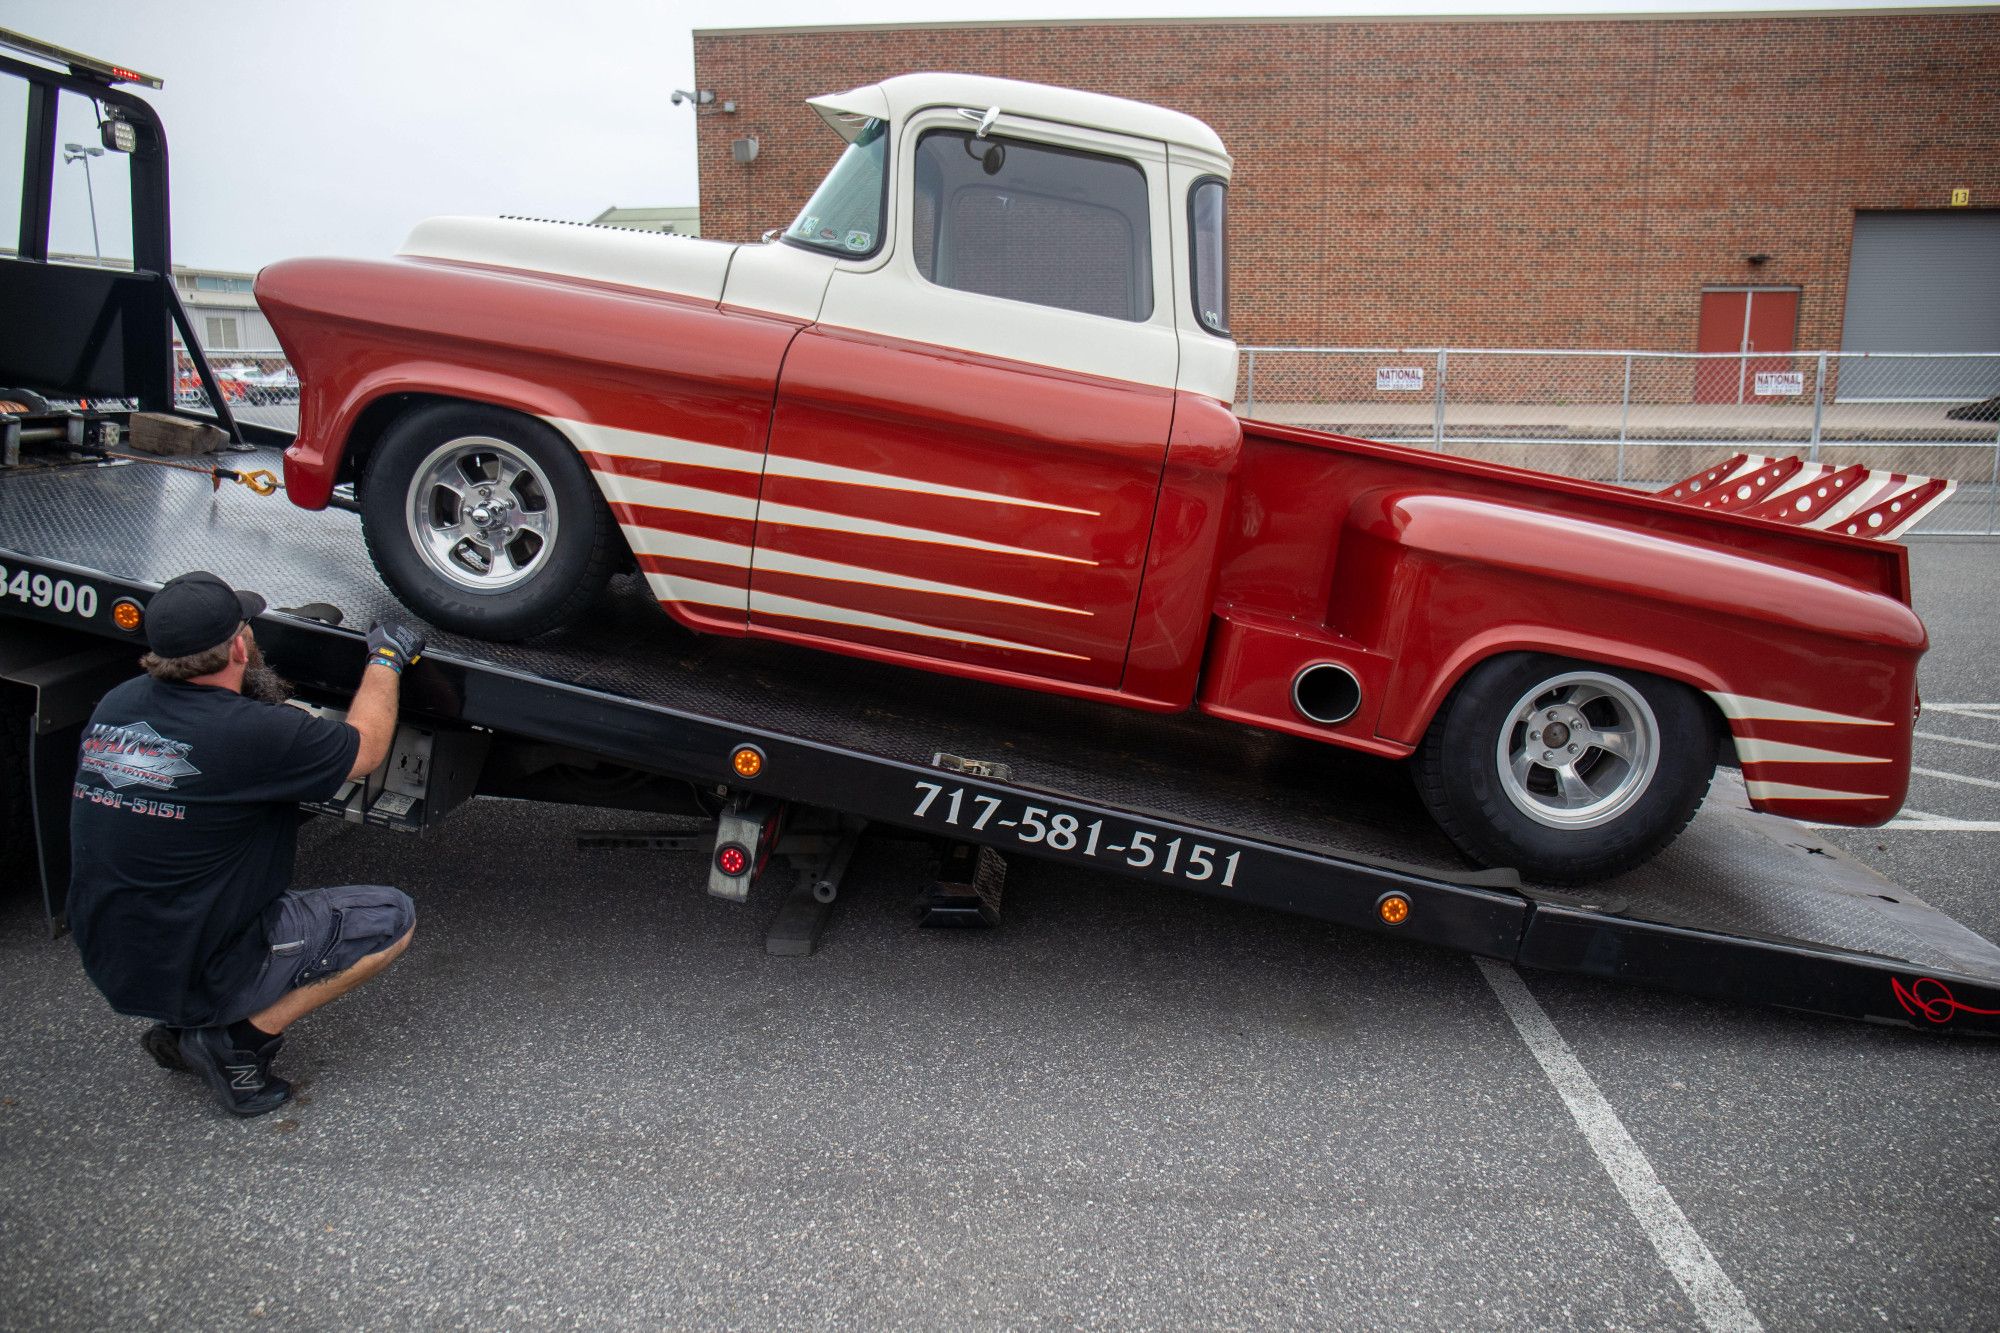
{"x":967,"y":447}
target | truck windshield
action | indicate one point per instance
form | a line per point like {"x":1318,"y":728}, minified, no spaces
{"x":845,"y":213}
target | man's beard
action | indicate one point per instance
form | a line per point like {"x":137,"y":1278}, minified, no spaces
{"x":261,"y":682}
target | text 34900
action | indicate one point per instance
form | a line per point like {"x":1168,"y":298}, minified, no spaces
{"x":78,"y":599}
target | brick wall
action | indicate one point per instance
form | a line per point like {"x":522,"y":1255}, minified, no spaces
{"x":1528,"y":183}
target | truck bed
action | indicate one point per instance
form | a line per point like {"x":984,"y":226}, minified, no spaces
{"x":1734,"y":874}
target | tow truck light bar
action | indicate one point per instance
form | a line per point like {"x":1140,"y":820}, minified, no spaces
{"x":79,"y":64}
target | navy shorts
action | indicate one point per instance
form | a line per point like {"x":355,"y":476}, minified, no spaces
{"x":316,"y":933}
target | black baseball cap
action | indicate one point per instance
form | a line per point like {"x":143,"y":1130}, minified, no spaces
{"x":196,"y":612}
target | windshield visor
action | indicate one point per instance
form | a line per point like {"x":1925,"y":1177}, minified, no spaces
{"x":844,"y":215}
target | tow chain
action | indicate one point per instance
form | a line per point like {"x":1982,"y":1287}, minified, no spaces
{"x":260,"y":481}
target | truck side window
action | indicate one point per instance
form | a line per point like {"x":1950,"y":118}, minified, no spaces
{"x":1208,"y":248}
{"x":1052,"y":226}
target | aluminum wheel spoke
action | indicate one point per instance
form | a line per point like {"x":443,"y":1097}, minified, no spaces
{"x":1522,"y":766}
{"x":1575,"y":791}
{"x":1620,"y":742}
{"x":449,"y":486}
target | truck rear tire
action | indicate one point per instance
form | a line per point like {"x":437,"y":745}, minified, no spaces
{"x":1566,"y":771}
{"x":485,"y":522}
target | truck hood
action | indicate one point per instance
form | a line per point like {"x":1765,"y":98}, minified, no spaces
{"x":656,"y":261}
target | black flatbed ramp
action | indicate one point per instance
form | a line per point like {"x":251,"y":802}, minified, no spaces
{"x":1742,"y":906}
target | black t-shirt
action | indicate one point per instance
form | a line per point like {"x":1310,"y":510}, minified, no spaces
{"x":183,"y":824}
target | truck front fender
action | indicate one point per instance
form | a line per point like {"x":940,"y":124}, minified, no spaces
{"x":317,"y":461}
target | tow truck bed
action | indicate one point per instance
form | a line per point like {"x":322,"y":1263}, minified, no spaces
{"x":1743,"y":906}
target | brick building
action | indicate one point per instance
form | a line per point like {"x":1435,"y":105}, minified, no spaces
{"x":1502,"y":183}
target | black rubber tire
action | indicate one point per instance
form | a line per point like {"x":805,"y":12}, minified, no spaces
{"x":582,"y":555}
{"x":1458,"y":779}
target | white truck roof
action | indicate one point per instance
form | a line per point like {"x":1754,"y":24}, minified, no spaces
{"x":894,"y":98}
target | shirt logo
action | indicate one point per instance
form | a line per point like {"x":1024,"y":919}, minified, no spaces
{"x":135,"y":753}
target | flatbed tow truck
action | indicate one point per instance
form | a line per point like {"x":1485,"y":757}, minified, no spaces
{"x":787,"y":756}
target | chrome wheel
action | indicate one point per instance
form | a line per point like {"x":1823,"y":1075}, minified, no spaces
{"x":481,"y":513}
{"x":1578,"y":750}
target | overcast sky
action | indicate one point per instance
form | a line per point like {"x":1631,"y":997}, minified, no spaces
{"x":322,"y":128}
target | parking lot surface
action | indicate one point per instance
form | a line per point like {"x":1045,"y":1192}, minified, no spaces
{"x":587,"y":1097}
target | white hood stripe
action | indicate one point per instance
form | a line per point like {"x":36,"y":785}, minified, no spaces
{"x":675,"y":588}
{"x":621,"y":489}
{"x":800,"y":609}
{"x":1753,"y":751}
{"x":692,"y":453}
{"x":678,"y":545}
{"x":1786,"y":791}
{"x":793,"y":516}
{"x":696,"y":592}
{"x":1743,"y":708}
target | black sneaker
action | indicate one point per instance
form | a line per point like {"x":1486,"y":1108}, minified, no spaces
{"x":241,"y":1080}
{"x":164,"y":1045}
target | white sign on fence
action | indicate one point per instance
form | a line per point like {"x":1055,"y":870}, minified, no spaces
{"x":1399,"y":379}
{"x":1780,"y":383}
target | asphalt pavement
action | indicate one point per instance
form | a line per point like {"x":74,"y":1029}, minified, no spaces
{"x":588,"y":1098}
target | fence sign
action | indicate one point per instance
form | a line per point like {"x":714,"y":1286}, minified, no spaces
{"x":1399,"y":379}
{"x":1780,"y":383}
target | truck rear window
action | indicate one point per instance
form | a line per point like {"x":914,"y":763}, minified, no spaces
{"x":1208,"y":248}
{"x":1035,"y":223}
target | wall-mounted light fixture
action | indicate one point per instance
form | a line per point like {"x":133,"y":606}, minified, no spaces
{"x":702,"y":98}
{"x":1757,"y":260}
{"x":744,"y":150}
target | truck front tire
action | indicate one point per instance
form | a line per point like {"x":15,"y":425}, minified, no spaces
{"x":485,"y":522}
{"x":1566,"y":771}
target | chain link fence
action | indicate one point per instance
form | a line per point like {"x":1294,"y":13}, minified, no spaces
{"x":256,"y":376}
{"x":1646,"y":419}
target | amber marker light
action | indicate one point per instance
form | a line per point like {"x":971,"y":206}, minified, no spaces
{"x":748,"y":761}
{"x":1393,"y":908}
{"x":126,"y":615}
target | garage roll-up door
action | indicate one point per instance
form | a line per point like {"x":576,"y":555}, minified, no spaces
{"x":1923,"y":282}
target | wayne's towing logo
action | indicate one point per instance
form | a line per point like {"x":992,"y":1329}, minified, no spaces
{"x":125,"y":755}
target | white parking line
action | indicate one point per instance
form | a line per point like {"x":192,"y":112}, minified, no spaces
{"x":1955,"y":777}
{"x":1954,"y":740}
{"x":1717,"y":1302}
{"x":1984,"y":712}
{"x":1922,"y":821}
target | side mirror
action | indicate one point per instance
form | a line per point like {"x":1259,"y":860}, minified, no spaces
{"x":990,"y":159}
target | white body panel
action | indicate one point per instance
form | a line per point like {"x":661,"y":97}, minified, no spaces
{"x":657,"y":261}
{"x":778,"y":279}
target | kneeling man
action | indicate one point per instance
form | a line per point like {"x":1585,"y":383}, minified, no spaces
{"x":183,"y":827}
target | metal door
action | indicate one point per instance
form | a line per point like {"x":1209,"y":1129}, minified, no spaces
{"x":966,"y":450}
{"x":1742,"y":321}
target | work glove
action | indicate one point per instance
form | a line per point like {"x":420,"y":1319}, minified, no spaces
{"x":394,"y":645}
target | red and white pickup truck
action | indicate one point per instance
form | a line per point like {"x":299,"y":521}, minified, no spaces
{"x":971,"y":413}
